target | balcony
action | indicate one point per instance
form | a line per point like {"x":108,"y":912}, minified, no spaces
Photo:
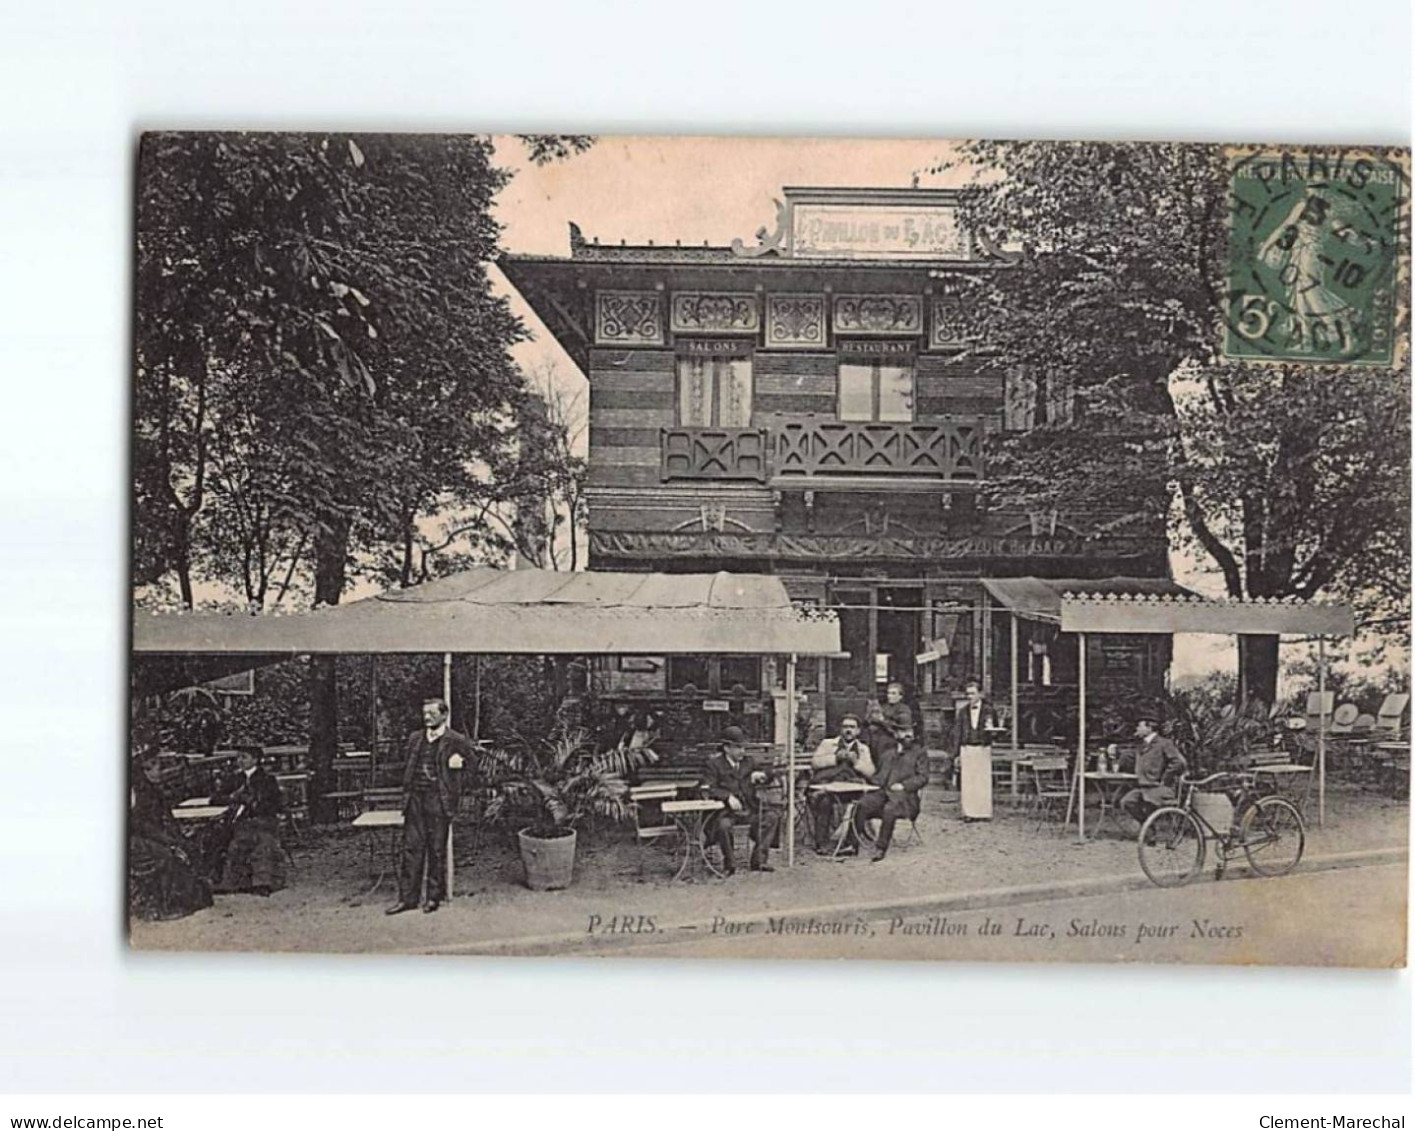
{"x":715,"y":453}
{"x":828,"y":453}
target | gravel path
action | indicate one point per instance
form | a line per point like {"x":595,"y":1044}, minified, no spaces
{"x":326,"y":908}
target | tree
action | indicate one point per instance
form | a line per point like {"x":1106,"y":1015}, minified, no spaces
{"x":544,"y":499}
{"x":320,"y":359}
{"x":1292,"y":480}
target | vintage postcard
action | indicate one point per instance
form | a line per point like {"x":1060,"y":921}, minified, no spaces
{"x":711,"y":547}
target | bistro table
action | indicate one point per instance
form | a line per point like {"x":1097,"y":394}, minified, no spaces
{"x":853,"y":790}
{"x":686,"y":785}
{"x":691,"y":818}
{"x":384,"y":819}
{"x":189,"y":812}
{"x":1110,"y":784}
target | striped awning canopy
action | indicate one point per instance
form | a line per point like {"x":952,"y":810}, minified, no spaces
{"x":524,"y":611}
{"x":1039,"y":598}
{"x":1112,"y":612}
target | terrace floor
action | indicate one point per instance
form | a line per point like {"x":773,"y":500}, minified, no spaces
{"x":327,"y":906}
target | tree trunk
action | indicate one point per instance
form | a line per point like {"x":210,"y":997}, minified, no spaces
{"x":1257,"y":668}
{"x":331,"y":549}
{"x":182,"y":558}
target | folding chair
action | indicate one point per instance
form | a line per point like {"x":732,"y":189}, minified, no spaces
{"x":1051,"y":786}
{"x":649,"y":825}
{"x":1390,"y":716}
{"x":295,"y":796}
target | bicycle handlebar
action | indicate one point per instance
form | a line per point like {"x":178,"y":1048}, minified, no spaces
{"x":1240,"y":775}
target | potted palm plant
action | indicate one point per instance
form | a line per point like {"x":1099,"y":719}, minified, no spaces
{"x":556,"y":786}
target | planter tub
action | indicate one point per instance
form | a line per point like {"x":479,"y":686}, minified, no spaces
{"x":549,"y":861}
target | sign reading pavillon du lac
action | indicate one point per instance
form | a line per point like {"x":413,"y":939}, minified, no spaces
{"x":1314,"y":255}
{"x":876,"y":226}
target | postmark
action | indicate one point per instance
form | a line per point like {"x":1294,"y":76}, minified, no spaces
{"x":1314,"y":270}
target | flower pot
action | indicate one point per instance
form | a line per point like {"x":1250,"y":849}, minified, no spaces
{"x":549,"y":861}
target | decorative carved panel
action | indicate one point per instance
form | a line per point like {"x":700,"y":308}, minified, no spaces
{"x":815,"y":449}
{"x":629,"y":318}
{"x":948,"y":322}
{"x":715,"y":312}
{"x":795,"y":321}
{"x":825,"y":547}
{"x":714,"y":453}
{"x":879,"y":314}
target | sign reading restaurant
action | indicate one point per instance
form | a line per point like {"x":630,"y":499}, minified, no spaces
{"x":880,"y":225}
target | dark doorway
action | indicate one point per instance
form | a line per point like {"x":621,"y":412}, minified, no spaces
{"x":897,"y":636}
{"x":857,"y":673}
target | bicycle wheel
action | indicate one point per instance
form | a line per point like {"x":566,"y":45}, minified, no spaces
{"x":1171,"y":847}
{"x":1273,"y":836}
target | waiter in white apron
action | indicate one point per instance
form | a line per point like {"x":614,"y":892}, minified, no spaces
{"x":973,"y":728}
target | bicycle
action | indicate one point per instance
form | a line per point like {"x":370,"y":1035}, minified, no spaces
{"x":1267,"y":828}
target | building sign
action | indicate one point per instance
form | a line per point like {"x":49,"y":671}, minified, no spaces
{"x":715,"y":346}
{"x":876,"y":231}
{"x":877,"y":349}
{"x":721,"y":706}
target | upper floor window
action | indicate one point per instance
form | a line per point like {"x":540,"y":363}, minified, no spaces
{"x":715,"y":391}
{"x":876,"y":389}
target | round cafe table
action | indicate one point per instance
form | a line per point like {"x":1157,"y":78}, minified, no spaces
{"x":1111,"y":785}
{"x":850,"y":792}
{"x":691,"y":817}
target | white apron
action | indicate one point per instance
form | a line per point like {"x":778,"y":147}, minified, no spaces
{"x":975,"y":769}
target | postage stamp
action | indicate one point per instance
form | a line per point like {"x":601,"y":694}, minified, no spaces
{"x":1315,"y":251}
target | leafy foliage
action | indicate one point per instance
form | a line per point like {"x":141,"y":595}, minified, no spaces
{"x":1292,"y":481}
{"x":558,"y":783}
{"x":321,"y":362}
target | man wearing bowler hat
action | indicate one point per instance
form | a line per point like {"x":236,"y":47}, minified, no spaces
{"x":739,"y":783}
{"x":1157,"y":765}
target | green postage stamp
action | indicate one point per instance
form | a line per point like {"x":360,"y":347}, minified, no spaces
{"x":1315,"y":254}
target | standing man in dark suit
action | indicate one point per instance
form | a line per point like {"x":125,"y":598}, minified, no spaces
{"x":431,"y":788}
{"x":902,"y":773}
{"x":736,"y":781}
{"x":1157,"y":765}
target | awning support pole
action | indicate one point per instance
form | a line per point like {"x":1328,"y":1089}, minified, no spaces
{"x":791,"y":760}
{"x":1321,"y":732}
{"x":1015,"y":732}
{"x":447,"y":698}
{"x":1081,"y":749}
{"x":476,"y":690}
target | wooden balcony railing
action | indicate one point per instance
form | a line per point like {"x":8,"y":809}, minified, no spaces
{"x":815,"y":451}
{"x":948,"y":450}
{"x":715,"y":453}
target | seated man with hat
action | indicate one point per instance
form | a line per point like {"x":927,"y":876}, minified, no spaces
{"x":740,"y":784}
{"x":902,"y":773}
{"x":1157,"y":765}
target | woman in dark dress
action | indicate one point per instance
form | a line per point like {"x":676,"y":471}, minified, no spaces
{"x":164,"y":879}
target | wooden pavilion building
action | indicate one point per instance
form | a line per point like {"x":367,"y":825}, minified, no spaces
{"x":818,"y":407}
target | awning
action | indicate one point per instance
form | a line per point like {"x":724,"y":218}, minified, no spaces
{"x":1089,"y":611}
{"x":525,"y":611}
{"x":1039,"y":598}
